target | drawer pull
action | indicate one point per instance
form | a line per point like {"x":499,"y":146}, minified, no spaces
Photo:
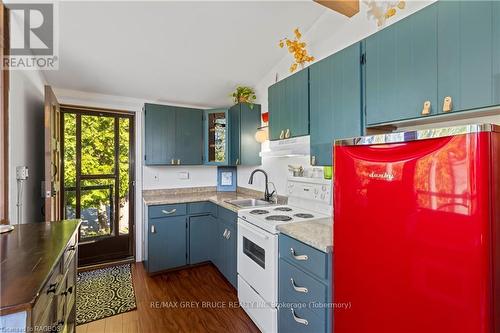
{"x":70,"y":290}
{"x":301,"y":257}
{"x":52,"y":288}
{"x":297,"y":288}
{"x":299,"y":320}
{"x":168,"y":212}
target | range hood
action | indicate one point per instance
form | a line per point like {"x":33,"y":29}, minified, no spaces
{"x":298,"y":146}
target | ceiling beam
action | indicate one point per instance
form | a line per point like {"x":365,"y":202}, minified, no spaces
{"x":344,"y":7}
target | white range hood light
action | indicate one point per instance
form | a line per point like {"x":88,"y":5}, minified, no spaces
{"x":298,"y":146}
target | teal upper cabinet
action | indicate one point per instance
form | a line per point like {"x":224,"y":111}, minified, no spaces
{"x":173,"y":135}
{"x":496,"y":52}
{"x":468,"y":33}
{"x":289,"y":106}
{"x":216,"y":137}
{"x":401,"y":68}
{"x":159,"y":134}
{"x":243,"y":123}
{"x":335,"y":88}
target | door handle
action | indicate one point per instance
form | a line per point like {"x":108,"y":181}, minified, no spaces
{"x":287,"y":133}
{"x":168,"y":212}
{"x":178,"y":161}
{"x":172,"y":161}
{"x":153,"y":229}
{"x":313,"y":160}
{"x":228,"y":235}
{"x":282,"y":135}
{"x":237,"y":161}
{"x":298,"y":319}
{"x":426,"y":110}
{"x":301,"y":257}
{"x":297,"y":288}
{"x":225,"y":233}
{"x":447,"y":104}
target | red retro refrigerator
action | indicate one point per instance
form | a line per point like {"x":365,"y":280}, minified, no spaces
{"x":417,"y":231}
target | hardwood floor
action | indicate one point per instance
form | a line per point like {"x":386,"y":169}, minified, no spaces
{"x":197,"y":299}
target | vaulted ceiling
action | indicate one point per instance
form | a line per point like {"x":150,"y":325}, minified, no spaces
{"x":181,"y":52}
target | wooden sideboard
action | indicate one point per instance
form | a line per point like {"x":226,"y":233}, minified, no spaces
{"x":38,"y":277}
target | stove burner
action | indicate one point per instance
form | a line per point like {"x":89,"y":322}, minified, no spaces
{"x":304,"y":215}
{"x":283,"y":209}
{"x":281,"y":218}
{"x":259,"y":212}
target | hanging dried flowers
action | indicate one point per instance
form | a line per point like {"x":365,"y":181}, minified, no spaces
{"x":384,"y":10}
{"x":298,"y":49}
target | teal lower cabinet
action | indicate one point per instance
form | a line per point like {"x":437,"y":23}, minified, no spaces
{"x":226,"y":244}
{"x":305,"y":288}
{"x":178,"y":235}
{"x":202,"y":234}
{"x":166,"y":243}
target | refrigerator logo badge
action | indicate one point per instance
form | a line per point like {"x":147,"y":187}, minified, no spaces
{"x":385,"y":176}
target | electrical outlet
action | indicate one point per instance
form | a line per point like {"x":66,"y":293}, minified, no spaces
{"x":22,"y":173}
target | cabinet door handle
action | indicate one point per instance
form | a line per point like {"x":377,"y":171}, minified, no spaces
{"x":71,"y":248}
{"x":172,"y":161}
{"x":301,"y":257}
{"x":153,"y":229}
{"x":426,"y":110}
{"x":178,"y":161}
{"x":313,"y":160}
{"x":228,"y":235}
{"x":297,"y":288}
{"x":298,"y":319}
{"x":282,"y":134}
{"x":237,"y":161}
{"x":168,"y":212}
{"x":225,"y":233}
{"x":287,"y":133}
{"x":447,"y":104}
{"x":52,"y":288}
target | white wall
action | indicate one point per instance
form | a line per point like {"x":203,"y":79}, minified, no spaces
{"x":325,"y":37}
{"x":26,"y":142}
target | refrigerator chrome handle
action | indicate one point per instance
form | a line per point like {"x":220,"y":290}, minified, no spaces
{"x":301,"y":257}
{"x":298,"y":319}
{"x":297,"y":288}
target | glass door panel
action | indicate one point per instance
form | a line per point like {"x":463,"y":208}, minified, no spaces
{"x":97,"y":145}
{"x":98,"y":187}
{"x":217,"y":137}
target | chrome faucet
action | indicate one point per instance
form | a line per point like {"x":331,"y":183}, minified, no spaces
{"x":267,"y":195}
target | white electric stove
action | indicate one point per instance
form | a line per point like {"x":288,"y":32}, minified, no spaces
{"x":308,"y":199}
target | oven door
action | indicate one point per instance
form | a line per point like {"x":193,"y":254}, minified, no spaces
{"x":258,"y":260}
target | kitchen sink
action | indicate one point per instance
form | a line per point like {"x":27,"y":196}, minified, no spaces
{"x":249,"y":203}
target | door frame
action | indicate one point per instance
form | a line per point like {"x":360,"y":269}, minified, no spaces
{"x":94,"y":111}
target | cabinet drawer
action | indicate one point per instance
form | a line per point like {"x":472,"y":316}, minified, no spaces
{"x":202,"y":208}
{"x":227,"y":215}
{"x":47,"y":296}
{"x":290,"y":322}
{"x":303,"y":256}
{"x":166,"y":210}
{"x":70,"y":251}
{"x":297,"y":286}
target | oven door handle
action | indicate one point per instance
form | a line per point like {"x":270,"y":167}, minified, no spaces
{"x":253,"y":231}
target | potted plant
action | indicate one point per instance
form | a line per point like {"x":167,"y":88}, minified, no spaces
{"x":244,"y":95}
